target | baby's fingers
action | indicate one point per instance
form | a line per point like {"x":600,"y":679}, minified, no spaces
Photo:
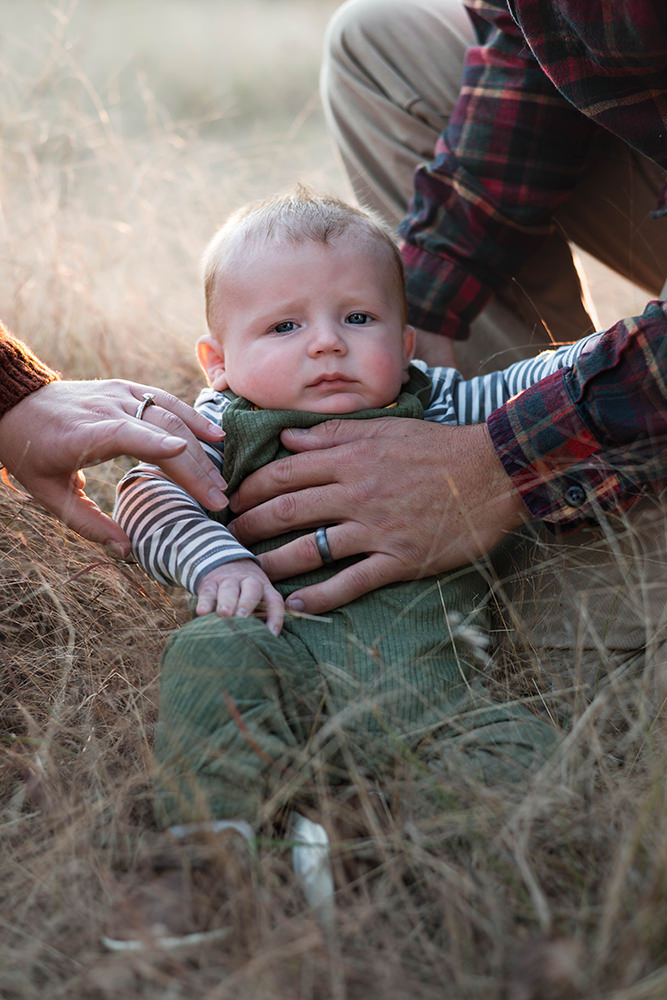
{"x":239,"y":597}
{"x":236,"y":591}
{"x":274,"y":609}
{"x":207,"y":597}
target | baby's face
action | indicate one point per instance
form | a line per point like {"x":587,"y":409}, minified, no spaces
{"x":310,"y":326}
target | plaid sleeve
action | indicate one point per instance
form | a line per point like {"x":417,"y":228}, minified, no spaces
{"x":511,"y":153}
{"x":593,"y":436}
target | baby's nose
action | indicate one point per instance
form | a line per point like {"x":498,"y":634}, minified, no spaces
{"x":327,"y":337}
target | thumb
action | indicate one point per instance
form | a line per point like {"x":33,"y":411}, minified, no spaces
{"x":82,"y":514}
{"x":130,"y":437}
{"x":328,"y":434}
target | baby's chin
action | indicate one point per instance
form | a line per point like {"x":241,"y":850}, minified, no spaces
{"x":336,"y":404}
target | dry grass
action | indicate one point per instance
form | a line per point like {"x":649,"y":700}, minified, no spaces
{"x":557,"y":889}
{"x":122,"y":149}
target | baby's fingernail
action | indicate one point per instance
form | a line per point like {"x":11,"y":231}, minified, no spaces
{"x":216,"y":499}
{"x":294,"y":604}
{"x":241,"y":613}
{"x":275,"y":629}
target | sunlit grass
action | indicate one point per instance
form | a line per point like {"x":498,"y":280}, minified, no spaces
{"x":129,"y":130}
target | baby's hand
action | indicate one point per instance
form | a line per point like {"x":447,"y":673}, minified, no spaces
{"x":237,"y":589}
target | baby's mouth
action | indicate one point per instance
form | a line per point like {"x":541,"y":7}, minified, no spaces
{"x":331,"y":379}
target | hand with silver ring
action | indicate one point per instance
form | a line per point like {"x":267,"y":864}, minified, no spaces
{"x":48,"y":436}
{"x":148,"y":400}
{"x":323,"y":547}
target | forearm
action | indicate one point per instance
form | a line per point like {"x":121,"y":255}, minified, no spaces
{"x":172,"y":536}
{"x":456,"y":400}
{"x":21,"y":372}
{"x":593,"y":436}
{"x":476,"y":398}
{"x":511,"y":153}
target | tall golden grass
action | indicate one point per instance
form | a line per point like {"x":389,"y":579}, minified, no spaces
{"x":128,"y":132}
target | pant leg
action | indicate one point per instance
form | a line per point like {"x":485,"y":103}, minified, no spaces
{"x":237,"y":707}
{"x":588,"y":612}
{"x":405,"y":670}
{"x":390,"y":79}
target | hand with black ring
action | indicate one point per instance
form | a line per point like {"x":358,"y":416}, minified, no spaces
{"x":412,"y":498}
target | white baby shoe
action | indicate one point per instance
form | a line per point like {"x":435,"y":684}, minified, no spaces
{"x":311,"y":860}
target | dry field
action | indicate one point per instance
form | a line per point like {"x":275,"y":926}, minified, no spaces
{"x":129,"y":130}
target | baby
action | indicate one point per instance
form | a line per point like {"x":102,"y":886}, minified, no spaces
{"x":307,"y":319}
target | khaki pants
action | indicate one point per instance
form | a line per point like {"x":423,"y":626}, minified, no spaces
{"x":390,"y":79}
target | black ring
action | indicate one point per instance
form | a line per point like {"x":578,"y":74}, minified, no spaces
{"x":323,"y":547}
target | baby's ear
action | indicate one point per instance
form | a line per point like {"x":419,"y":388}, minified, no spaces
{"x":409,"y":339}
{"x":212,"y":360}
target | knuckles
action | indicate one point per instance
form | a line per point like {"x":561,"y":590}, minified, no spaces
{"x":283,"y":473}
{"x":285,"y":509}
{"x":171,"y":423}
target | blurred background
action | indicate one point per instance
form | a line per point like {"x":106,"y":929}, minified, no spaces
{"x":129,"y":131}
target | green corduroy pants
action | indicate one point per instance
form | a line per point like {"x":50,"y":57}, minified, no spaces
{"x":249,"y":721}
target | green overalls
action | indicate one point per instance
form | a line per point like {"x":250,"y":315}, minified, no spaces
{"x":247,"y":719}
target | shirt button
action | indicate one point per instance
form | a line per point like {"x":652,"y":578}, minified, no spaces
{"x":575,"y":495}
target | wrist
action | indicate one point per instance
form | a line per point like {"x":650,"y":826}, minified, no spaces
{"x":22,"y":371}
{"x":503,"y":494}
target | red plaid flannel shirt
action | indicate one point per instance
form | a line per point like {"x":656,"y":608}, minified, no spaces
{"x":543,"y":78}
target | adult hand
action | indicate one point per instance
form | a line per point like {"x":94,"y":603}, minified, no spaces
{"x":416,"y":497}
{"x":47,"y":437}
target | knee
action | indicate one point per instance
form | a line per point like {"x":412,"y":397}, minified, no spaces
{"x":212,"y":655}
{"x":359,"y":20}
{"x":355,"y":28}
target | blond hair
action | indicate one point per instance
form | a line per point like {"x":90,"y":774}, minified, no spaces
{"x":294,"y":217}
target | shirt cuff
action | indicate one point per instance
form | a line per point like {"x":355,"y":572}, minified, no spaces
{"x":21,"y":371}
{"x":442,"y":297}
{"x":554,"y":459}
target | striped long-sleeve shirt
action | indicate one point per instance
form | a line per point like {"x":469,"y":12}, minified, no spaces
{"x":542,"y":79}
{"x":177,"y":542}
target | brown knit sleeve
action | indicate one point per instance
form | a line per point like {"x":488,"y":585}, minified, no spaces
{"x":21,"y":372}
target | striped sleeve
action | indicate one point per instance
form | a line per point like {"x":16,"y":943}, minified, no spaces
{"x":456,"y":400}
{"x":172,"y":536}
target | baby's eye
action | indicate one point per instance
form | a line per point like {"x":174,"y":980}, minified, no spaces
{"x":358,"y":319}
{"x":285,"y":327}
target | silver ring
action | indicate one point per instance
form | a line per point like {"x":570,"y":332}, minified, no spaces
{"x":148,"y":400}
{"x":323,"y":547}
